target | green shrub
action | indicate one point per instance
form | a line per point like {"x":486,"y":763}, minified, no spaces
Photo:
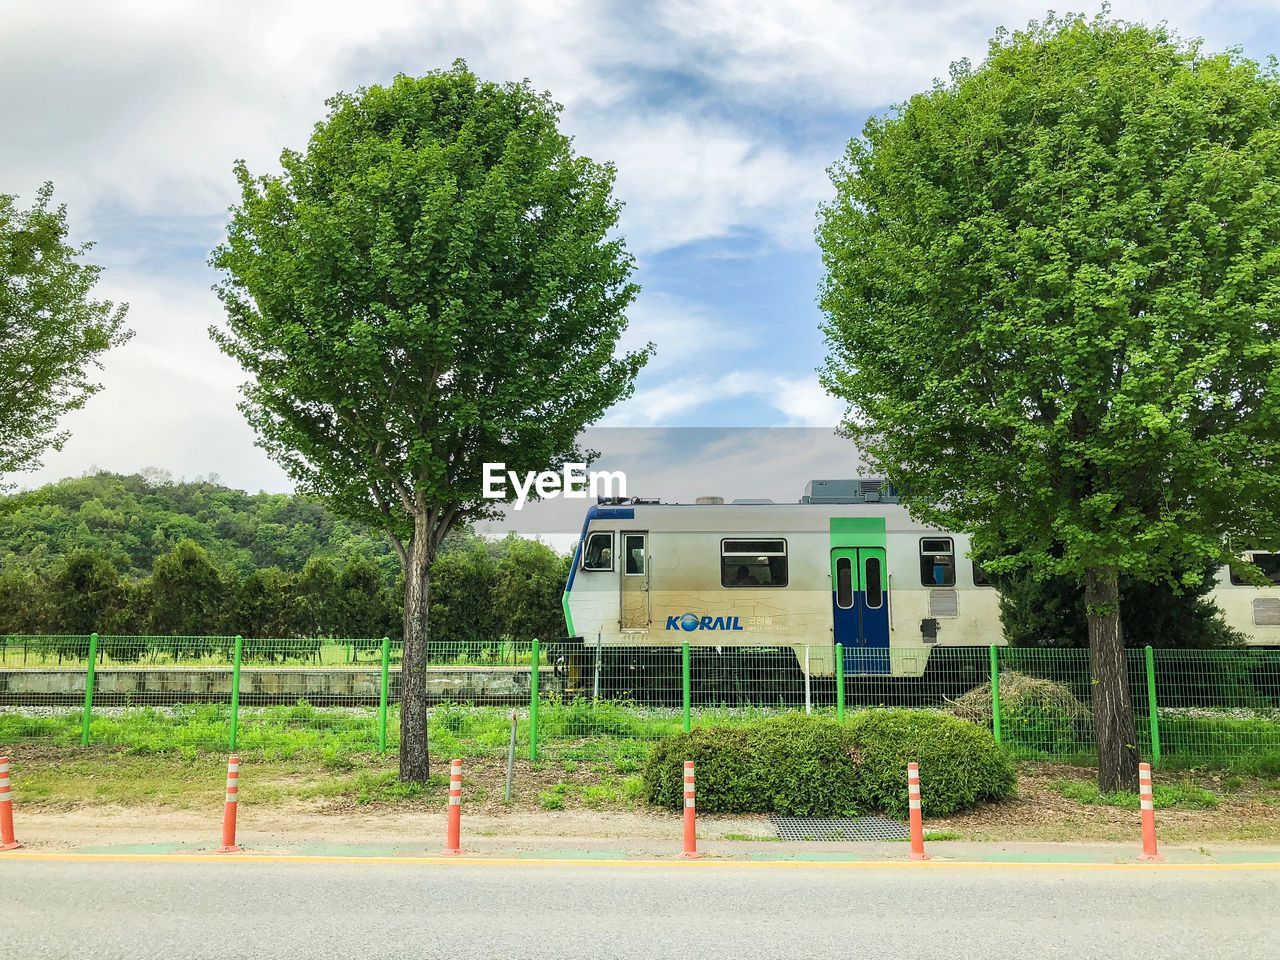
{"x":793,"y":764}
{"x":813,"y":766}
{"x":961,"y":765}
{"x":730,"y":780}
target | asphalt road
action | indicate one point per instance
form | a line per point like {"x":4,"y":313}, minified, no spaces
{"x":176,"y":911}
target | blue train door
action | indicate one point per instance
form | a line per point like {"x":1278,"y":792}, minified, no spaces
{"x":860,"y":608}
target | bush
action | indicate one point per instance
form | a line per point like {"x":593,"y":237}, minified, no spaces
{"x":1035,"y":713}
{"x":812,"y":766}
{"x":961,"y":765}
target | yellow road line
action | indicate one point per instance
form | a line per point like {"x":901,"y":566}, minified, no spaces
{"x":679,"y":864}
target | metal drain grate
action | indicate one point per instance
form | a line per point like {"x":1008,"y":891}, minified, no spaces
{"x":838,"y":828}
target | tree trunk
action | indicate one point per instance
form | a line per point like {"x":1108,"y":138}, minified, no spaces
{"x":415,"y":765}
{"x":1112,"y":714}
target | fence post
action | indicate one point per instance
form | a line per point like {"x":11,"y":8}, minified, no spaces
{"x":687,"y":686}
{"x":382,"y":695}
{"x":533,"y":702}
{"x":995,"y":693}
{"x":88,"y":689}
{"x":1152,"y":710}
{"x":235,"y":690}
{"x":808,"y":683}
{"x":595,"y":683}
{"x":839,"y":681}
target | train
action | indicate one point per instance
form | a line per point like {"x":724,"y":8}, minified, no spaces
{"x":845,"y":565}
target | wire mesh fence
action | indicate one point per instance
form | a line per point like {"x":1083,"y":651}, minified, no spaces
{"x":1218,"y":706}
{"x":331,"y":696}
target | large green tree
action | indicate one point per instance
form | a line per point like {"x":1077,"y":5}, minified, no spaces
{"x":434,"y":284}
{"x":87,"y":592}
{"x":135,"y":519}
{"x":52,"y":331}
{"x":527,"y":582}
{"x":185,"y":594}
{"x":1050,"y":612}
{"x":1053,"y":307}
{"x":464,"y":610}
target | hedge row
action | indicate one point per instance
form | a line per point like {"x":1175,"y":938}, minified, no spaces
{"x":813,"y":766}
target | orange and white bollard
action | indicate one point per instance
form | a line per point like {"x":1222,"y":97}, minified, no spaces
{"x":7,"y":842}
{"x":690,"y":815}
{"x":1147,"y":803}
{"x":229,"y":811}
{"x":917,"y":818}
{"x":453,"y":840}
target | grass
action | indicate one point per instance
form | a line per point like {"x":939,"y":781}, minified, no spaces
{"x":70,"y":653}
{"x":335,"y":735}
{"x":1185,"y":795}
{"x":109,"y":778}
{"x":554,"y":799}
{"x":60,"y":779}
{"x":1240,"y":745}
{"x":1249,"y":745}
{"x":616,"y":735}
{"x":57,"y":780}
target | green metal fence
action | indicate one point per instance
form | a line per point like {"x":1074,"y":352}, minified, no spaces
{"x":336,"y":696}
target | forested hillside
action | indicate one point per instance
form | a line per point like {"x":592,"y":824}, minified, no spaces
{"x":141,"y":554}
{"x":133,"y":520}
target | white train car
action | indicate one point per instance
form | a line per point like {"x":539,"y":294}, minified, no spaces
{"x":847,"y":564}
{"x":1253,"y":610}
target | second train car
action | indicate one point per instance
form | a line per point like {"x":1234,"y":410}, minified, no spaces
{"x":847,"y":565}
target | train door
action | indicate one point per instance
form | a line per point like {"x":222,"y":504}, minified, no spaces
{"x":860,"y":613}
{"x":635,"y":582}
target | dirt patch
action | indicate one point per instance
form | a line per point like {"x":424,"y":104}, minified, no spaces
{"x":1248,"y":812}
{"x":72,"y":797}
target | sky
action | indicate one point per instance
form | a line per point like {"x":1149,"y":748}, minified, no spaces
{"x":721,"y":116}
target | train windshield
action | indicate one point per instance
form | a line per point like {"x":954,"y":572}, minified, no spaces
{"x":599,"y":552}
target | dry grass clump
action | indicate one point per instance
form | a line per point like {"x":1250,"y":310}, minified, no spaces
{"x":1020,"y":695}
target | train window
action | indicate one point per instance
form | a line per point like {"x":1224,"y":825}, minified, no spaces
{"x":980,"y":577}
{"x":844,"y":583}
{"x":1268,"y":563}
{"x":937,"y":562}
{"x":753,"y":563}
{"x":874,"y":588}
{"x":633,"y":554}
{"x":599,"y":552}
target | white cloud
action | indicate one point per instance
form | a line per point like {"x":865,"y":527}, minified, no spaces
{"x":137,"y":111}
{"x":682,"y":331}
{"x":805,"y":403}
{"x":801,"y":400}
{"x":865,"y":55}
{"x":168,"y":400}
{"x":685,"y":179}
{"x":146,"y":104}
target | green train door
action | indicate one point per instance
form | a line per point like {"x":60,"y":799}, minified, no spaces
{"x":860,"y":608}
